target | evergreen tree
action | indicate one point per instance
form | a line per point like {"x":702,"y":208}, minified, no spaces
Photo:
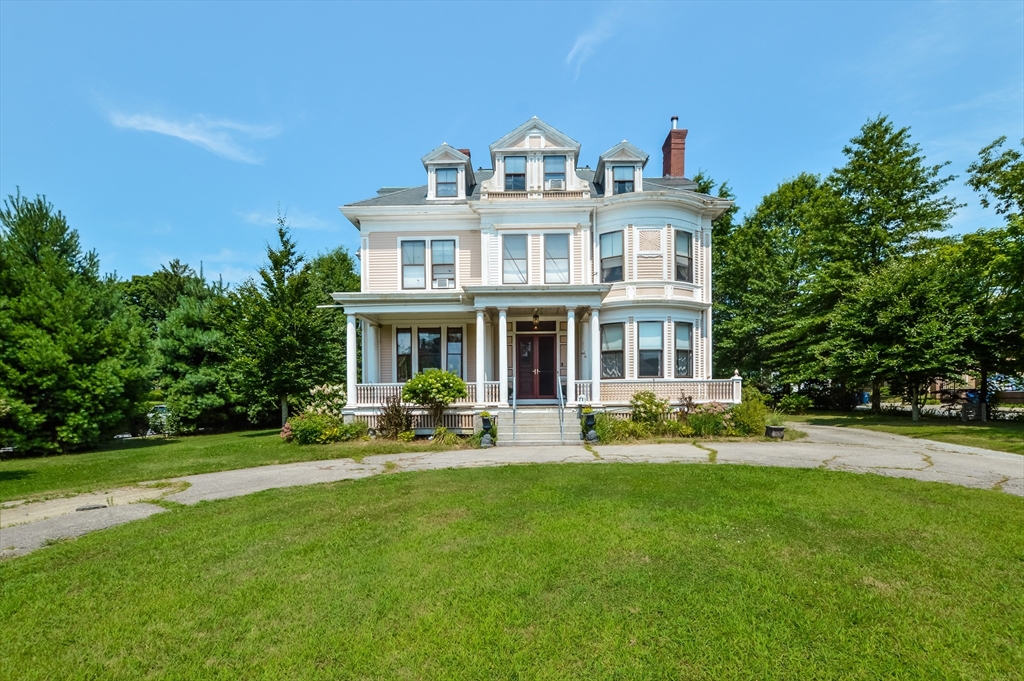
{"x":193,"y":359}
{"x":73,"y":356}
{"x":282,"y":344}
{"x":155,"y":295}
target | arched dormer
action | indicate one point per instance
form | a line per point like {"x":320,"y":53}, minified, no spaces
{"x":449,"y":174}
{"x":620,"y":170}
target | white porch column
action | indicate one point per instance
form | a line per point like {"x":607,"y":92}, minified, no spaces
{"x":350,"y":360}
{"x":503,"y":357}
{"x":595,"y":355}
{"x":371,"y":356}
{"x":364,"y":369}
{"x":570,"y":360}
{"x":480,"y":333}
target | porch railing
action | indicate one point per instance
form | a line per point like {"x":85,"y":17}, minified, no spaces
{"x":612,"y":391}
{"x":376,"y":394}
{"x":701,"y":390}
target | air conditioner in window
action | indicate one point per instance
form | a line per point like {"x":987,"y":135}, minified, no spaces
{"x":444,"y":283}
{"x":554,"y":184}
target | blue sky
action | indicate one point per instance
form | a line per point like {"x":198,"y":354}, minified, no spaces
{"x":176,"y":130}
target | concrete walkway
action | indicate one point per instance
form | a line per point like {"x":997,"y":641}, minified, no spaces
{"x":842,"y":449}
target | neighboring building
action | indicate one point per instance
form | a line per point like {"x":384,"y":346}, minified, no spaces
{"x":538,"y":279}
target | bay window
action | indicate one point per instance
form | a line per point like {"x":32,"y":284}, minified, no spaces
{"x":611,"y":257}
{"x":613,"y":341}
{"x":684,"y":350}
{"x":684,"y":256}
{"x":649,"y":347}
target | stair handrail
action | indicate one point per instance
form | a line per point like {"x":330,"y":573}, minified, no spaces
{"x":512,"y":385}
{"x":561,"y":409}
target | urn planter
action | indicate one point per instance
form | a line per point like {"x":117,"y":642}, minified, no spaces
{"x":777,"y":432}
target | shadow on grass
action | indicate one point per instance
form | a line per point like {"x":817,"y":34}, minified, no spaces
{"x":6,"y":476}
{"x":261,"y":433}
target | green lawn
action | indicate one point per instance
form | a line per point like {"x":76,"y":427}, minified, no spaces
{"x":538,"y":572}
{"x":1004,"y":436}
{"x":156,"y":458}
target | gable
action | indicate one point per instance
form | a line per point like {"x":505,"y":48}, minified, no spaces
{"x":445,"y":154}
{"x":535,"y":134}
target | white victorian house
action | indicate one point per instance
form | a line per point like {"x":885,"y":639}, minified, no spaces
{"x":542,"y":283}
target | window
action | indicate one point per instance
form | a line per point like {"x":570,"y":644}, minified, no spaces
{"x":613,"y":339}
{"x":515,"y":173}
{"x":414,"y":264}
{"x":554,"y":169}
{"x":403,"y":342}
{"x":649,"y":344}
{"x":429,"y":347}
{"x":622,"y":179}
{"x":447,"y":182}
{"x":514,"y":258}
{"x":684,"y":350}
{"x":684,"y":256}
{"x":611,"y":257}
{"x":442,"y":263}
{"x":556,"y":258}
{"x":455,"y":350}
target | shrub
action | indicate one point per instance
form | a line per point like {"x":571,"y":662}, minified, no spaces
{"x":311,"y":428}
{"x":610,"y":429}
{"x":407,"y":435}
{"x":706,"y":424}
{"x":795,"y":404}
{"x":327,"y":400}
{"x":749,"y":416}
{"x":286,"y":433}
{"x":444,"y":437}
{"x":434,"y":390}
{"x":647,"y":408}
{"x":674,"y":429}
{"x":394,"y":418}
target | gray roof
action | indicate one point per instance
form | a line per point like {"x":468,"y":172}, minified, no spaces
{"x":417,"y":196}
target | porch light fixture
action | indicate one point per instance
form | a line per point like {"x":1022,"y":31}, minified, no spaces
{"x":536,"y":320}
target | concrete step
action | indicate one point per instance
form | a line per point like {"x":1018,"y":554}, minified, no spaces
{"x":538,"y":443}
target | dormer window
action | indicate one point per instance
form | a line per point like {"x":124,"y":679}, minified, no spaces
{"x":554,"y":172}
{"x":447,"y":182}
{"x":622,"y":179}
{"x":515,"y":173}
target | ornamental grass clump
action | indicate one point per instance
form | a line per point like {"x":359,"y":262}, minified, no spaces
{"x":710,"y":419}
{"x":434,"y":390}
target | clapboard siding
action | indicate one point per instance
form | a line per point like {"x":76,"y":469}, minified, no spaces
{"x":384,"y":267}
{"x":386,"y":343}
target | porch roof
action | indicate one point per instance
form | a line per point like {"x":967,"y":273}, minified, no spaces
{"x":471,"y":298}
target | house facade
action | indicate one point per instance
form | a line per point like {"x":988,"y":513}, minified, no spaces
{"x":539,"y":281}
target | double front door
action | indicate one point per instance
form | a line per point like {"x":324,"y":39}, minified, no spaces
{"x":535,"y":367}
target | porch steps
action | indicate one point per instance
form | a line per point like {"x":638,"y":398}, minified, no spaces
{"x":536,"y":426}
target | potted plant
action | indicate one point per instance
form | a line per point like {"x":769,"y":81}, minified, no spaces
{"x":775,"y":427}
{"x":485,"y":417}
{"x":589,"y":421}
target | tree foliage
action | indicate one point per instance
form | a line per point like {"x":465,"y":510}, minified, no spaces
{"x":282,"y":344}
{"x":73,"y":357}
{"x":193,"y":359}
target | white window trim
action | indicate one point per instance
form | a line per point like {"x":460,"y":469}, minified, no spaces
{"x":428,"y":259}
{"x":543,"y":260}
{"x":415,"y":327}
{"x":636,"y":348}
{"x":695,"y":243}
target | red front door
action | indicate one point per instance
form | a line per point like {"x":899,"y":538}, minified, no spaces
{"x":535,"y":367}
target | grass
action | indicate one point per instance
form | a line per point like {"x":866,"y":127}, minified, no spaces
{"x":1003,"y":436}
{"x":139,"y":460}
{"x":538,"y":572}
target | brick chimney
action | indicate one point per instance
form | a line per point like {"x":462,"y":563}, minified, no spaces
{"x":673,"y":151}
{"x":464,"y":151}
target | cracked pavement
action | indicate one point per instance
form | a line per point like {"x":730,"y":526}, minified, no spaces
{"x":841,"y":449}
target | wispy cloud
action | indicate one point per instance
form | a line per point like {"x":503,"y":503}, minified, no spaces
{"x":588,"y":41}
{"x":296,"y":218}
{"x":219,"y":136}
